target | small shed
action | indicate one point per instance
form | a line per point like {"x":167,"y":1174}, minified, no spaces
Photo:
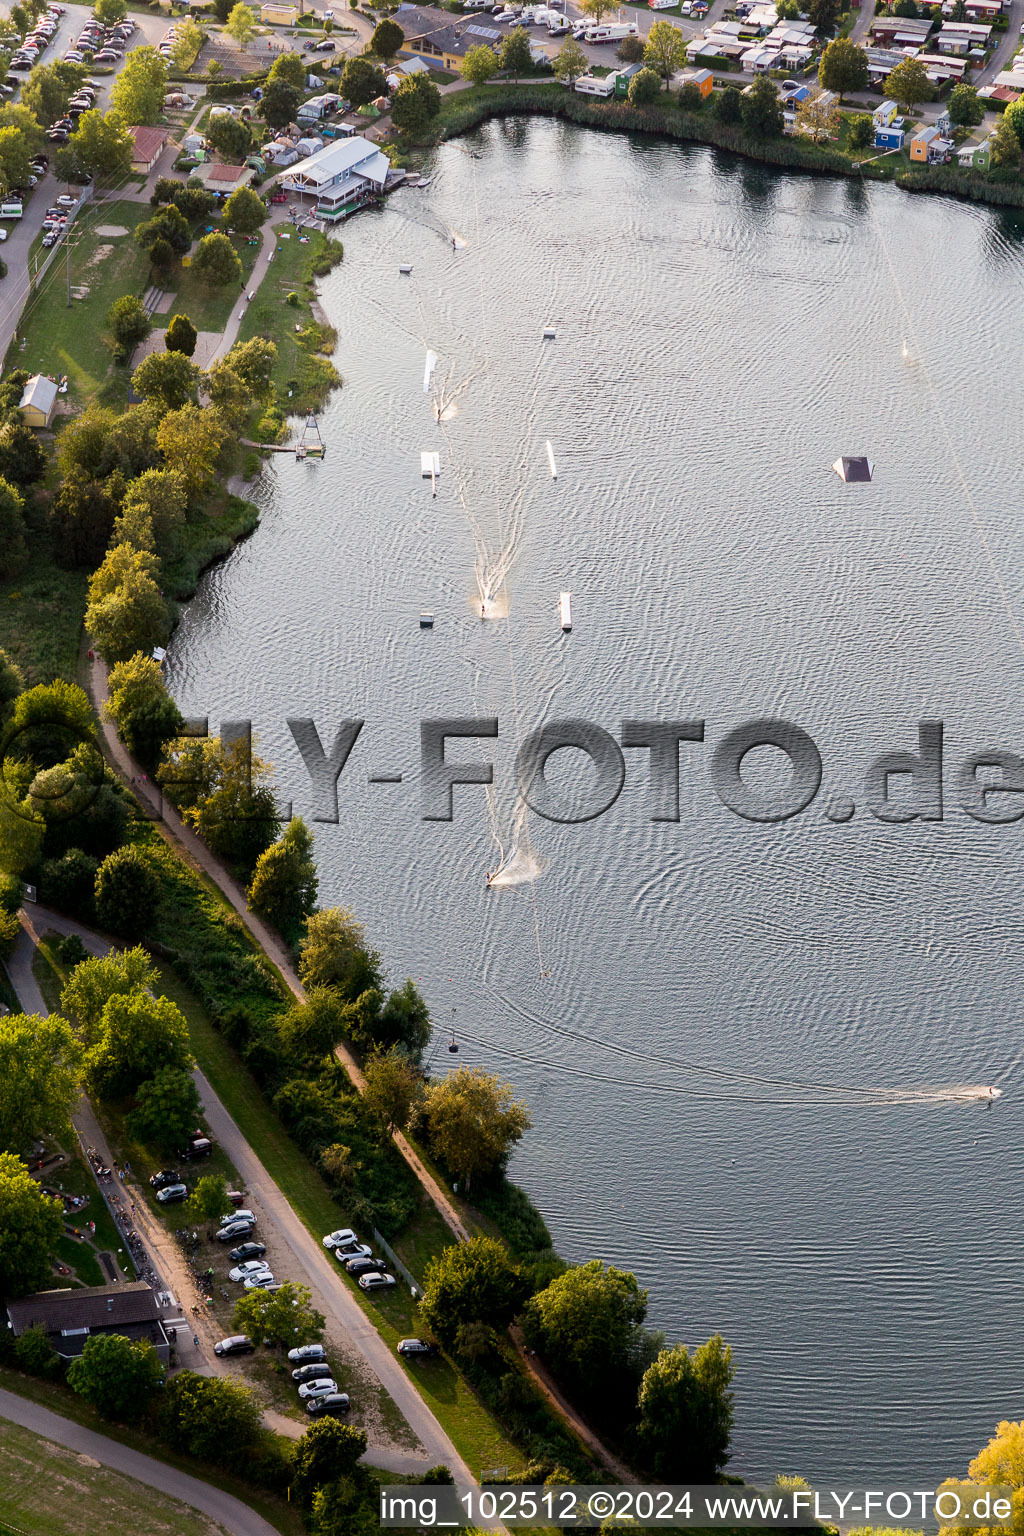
{"x":146,"y":146}
{"x":889,"y":138}
{"x":884,"y":115}
{"x":38,"y":401}
{"x":703,"y":79}
{"x":274,"y":15}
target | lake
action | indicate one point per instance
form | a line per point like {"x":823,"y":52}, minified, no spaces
{"x":726,"y":1030}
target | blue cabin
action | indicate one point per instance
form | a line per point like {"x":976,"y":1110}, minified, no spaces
{"x":889,"y":138}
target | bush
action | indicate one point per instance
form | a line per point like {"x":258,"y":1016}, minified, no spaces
{"x":69,"y":884}
{"x":126,"y":894}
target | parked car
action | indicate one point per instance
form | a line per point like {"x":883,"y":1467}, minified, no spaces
{"x":58,"y":135}
{"x":67,"y":201}
{"x":235,"y":1197}
{"x":105,"y":56}
{"x":50,"y":238}
{"x":259,"y":1282}
{"x":334,"y":1402}
{"x":317,"y":1370}
{"x":199,"y":1146}
{"x":375,"y":1282}
{"x":359,"y":1251}
{"x":303,"y":1352}
{"x":247,"y":1251}
{"x":237,"y":1344}
{"x":248,"y":1269}
{"x":238,"y":1216}
{"x":172,"y":1193}
{"x":233,"y":1230}
{"x":363,"y":1265}
{"x":340,"y":1239}
{"x":322,"y":1388}
{"x":417,"y":1347}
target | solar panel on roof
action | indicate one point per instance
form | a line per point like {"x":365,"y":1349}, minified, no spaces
{"x":483,"y":31}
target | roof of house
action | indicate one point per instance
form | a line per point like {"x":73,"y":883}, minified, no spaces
{"x":148,"y":141}
{"x":337,"y":157}
{"x":96,"y":1306}
{"x":40,"y":392}
{"x":225,"y":173}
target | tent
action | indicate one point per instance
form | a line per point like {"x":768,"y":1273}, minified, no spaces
{"x":853,"y":469}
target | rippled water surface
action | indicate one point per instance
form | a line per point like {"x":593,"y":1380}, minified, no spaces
{"x":723,"y":335}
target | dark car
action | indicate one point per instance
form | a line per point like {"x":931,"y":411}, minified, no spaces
{"x":319,"y":1370}
{"x":199,"y":1146}
{"x":237,"y":1344}
{"x":164,"y":1177}
{"x":304,"y":1352}
{"x":58,"y":136}
{"x":363,"y":1266}
{"x":235,"y":1229}
{"x":247,"y":1251}
{"x":333,"y":1402}
{"x":413,"y":1347}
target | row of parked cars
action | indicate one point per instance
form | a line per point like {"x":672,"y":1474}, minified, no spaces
{"x":83,"y":100}
{"x":103,"y":45}
{"x":358,"y":1260}
{"x":36,"y":42}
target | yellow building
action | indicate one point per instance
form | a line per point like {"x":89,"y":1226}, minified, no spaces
{"x":38,"y":401}
{"x":279,"y":15}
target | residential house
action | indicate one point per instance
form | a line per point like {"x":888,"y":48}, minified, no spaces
{"x":146,"y":146}
{"x":38,"y":401}
{"x":71,"y":1317}
{"x":978,"y":10}
{"x":976,"y":155}
{"x":959,"y":37}
{"x":340,"y":176}
{"x":881,"y":63}
{"x":899,"y":32}
{"x":940,"y":67}
{"x":223,"y":179}
{"x":439,"y":38}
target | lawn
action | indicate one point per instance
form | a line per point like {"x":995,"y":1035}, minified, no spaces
{"x":41,"y":1483}
{"x":303,"y":377}
{"x":41,"y":619}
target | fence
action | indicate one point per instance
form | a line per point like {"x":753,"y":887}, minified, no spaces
{"x":396,"y":1263}
{"x":42,"y":267}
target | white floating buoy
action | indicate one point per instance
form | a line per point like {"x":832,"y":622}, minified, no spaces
{"x":405,"y":271}
{"x":549,"y":334}
{"x":429,"y":366}
{"x":551,"y":462}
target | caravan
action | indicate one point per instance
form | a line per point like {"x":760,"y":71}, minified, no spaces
{"x":611,"y":32}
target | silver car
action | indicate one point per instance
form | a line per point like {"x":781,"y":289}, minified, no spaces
{"x":322,"y":1388}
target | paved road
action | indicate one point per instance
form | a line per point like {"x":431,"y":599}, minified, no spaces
{"x":228,"y":1511}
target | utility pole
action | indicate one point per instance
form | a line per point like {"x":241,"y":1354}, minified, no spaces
{"x":67,"y":255}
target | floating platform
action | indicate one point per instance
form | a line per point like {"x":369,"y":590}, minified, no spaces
{"x":405,"y":271}
{"x":565,"y":611}
{"x":549,"y":334}
{"x":426,"y":621}
{"x":430,"y":465}
{"x":551,"y":462}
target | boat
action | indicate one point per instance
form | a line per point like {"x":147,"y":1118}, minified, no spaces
{"x":565,"y":610}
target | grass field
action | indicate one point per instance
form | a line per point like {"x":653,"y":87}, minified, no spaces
{"x":46,"y":1490}
{"x":302,"y":377}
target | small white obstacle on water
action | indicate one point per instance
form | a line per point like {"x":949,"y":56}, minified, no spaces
{"x":549,"y":333}
{"x":551,"y":462}
{"x":430,"y":365}
{"x":426,"y":620}
{"x":405,"y":271}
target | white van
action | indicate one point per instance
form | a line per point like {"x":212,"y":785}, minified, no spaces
{"x":10,"y":210}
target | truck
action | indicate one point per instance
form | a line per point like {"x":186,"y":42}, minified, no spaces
{"x":611,"y":32}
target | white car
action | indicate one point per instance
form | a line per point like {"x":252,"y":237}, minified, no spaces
{"x":231,"y":1216}
{"x":322,"y":1388}
{"x":247,"y":1270}
{"x":340,"y":1239}
{"x":375,"y":1282}
{"x":259,"y":1282}
{"x":360,"y":1251}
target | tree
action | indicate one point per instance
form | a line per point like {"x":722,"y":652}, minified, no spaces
{"x":254,"y":362}
{"x":190,"y":441}
{"x":31,"y":1225}
{"x":362,"y":81}
{"x":906,"y":8}
{"x":586,"y":1322}
{"x":966,"y":109}
{"x":40,"y":1078}
{"x":139,"y":1034}
{"x":46,"y":93}
{"x":908,"y":84}
{"x":394,"y":1089}
{"x":168,"y":224}
{"x":118,"y":1376}
{"x":824,"y":16}
{"x":282,"y":1318}
{"x":280,"y":102}
{"x":1005,"y":146}
{"x":686,"y":1412}
{"x":15,"y":115}
{"x":81,"y":521}
{"x":644,"y":88}
{"x":15,"y":164}
{"x":728,"y":105}
{"x":110,"y":12}
{"x":181,"y":336}
{"x":843,"y":67}
{"x":93,"y":983}
{"x":22,"y":460}
{"x":416,"y":103}
{"x":313,"y":1029}
{"x":514,"y":56}
{"x":473,"y":1122}
{"x":137,"y":94}
{"x":334,"y":953}
{"x":665,"y":50}
{"x":187,"y":44}
{"x":12,"y":682}
{"x":860,"y":132}
{"x":479,"y":64}
{"x":127,"y":893}
{"x":290,"y":68}
{"x":209,"y":1199}
{"x":138,"y":703}
{"x":46,"y":716}
{"x":387,"y":39}
{"x":570,"y":62}
{"x":210,"y":1417}
{"x":12,"y":529}
{"x":168,"y":378}
{"x":158,"y":494}
{"x":102,"y":147}
{"x":473,"y":1282}
{"x":161,"y":257}
{"x":818,"y":117}
{"x":126,"y":610}
{"x":597,"y":9}
{"x":230,"y":137}
{"x":216,"y":261}
{"x":760,"y":111}
{"x":284,"y":883}
{"x":240,"y":24}
{"x":326,"y":1452}
{"x":129,"y":324}
{"x":630,"y":50}
{"x":404,"y":1020}
{"x":244,"y":211}
{"x":222,"y":791}
{"x":166,"y":1113}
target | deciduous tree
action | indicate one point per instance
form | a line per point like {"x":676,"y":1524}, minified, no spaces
{"x":110,"y":12}
{"x":630,"y":50}
{"x":244,"y":211}
{"x":137,"y":94}
{"x":326,"y":1452}
{"x":570,"y":62}
{"x":1005,"y":146}
{"x":665,"y":50}
{"x":12,"y":682}
{"x":118,"y":1376}
{"x":334,"y":953}
{"x":209,"y":1199}
{"x":760,"y":110}
{"x":139,"y":1035}
{"x":415,"y":105}
{"x":92,"y":984}
{"x":210,"y":1417}
{"x":12,"y":530}
{"x":280,"y":1318}
{"x":31,"y":1225}
{"x":473,"y":1122}
{"x":728,"y":105}
{"x":169,"y":379}
{"x":596,"y":10}
{"x":362,"y":81}
{"x":126,"y":611}
{"x":824,"y":16}
{"x":216,"y":261}
{"x":586,"y":1322}
{"x":514,"y":56}
{"x":478,"y":64}
{"x":41,"y":1069}
{"x":187,"y":44}
{"x":284,"y":883}
{"x":145,"y":714}
{"x":686,"y":1412}
{"x":644,"y":88}
{"x":280,"y":102}
{"x":393,"y":1089}
{"x":240,"y":24}
{"x":311,"y":1030}
{"x":966,"y":109}
{"x":127,"y":893}
{"x":908,"y":84}
{"x":254,"y":362}
{"x":843,"y":67}
{"x":818,"y":117}
{"x":166,"y":1113}
{"x":190,"y":441}
{"x":290,"y":68}
{"x":169,"y":224}
{"x":129,"y":324}
{"x":387,"y":39}
{"x":15,"y":165}
{"x":81,"y":521}
{"x":474,"y":1282}
{"x":102,"y":147}
{"x":231,"y":138}
{"x":860,"y":134}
